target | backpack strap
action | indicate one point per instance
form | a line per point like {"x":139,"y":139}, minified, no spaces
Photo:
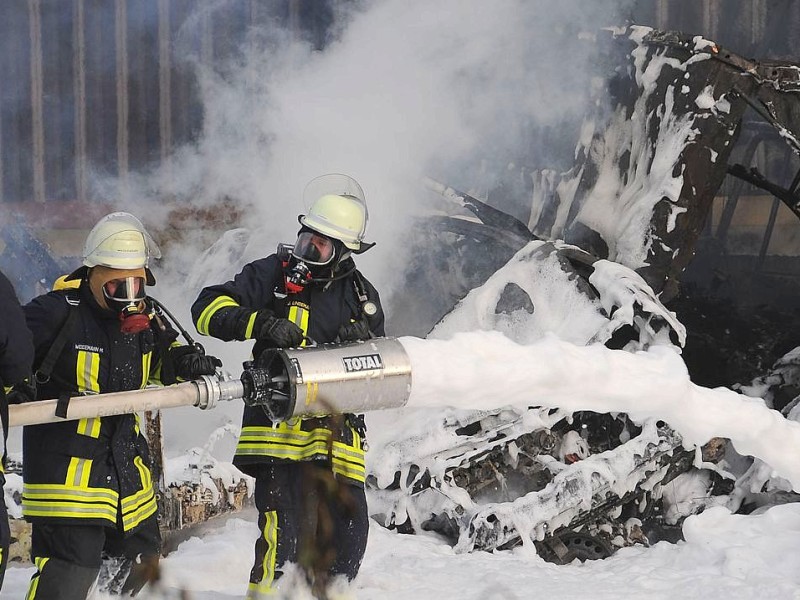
{"x":360,"y":287}
{"x":366,"y":305}
{"x":44,"y":371}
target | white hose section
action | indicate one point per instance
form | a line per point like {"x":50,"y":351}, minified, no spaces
{"x":104,"y":405}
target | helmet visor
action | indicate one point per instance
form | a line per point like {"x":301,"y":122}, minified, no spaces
{"x":313,"y":248}
{"x":125,"y":289}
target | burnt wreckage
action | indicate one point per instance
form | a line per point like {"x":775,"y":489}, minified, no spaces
{"x":688,"y":113}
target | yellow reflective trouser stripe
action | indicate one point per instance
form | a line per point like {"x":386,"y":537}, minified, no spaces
{"x":137,"y":507}
{"x":54,"y":500}
{"x":90,"y":427}
{"x":299,"y":316}
{"x":86,"y":371}
{"x":248,"y":332}
{"x":205,"y":317}
{"x":78,"y":472}
{"x":254,"y":593}
{"x":146,"y":358}
{"x":40,"y":562}
{"x":270,"y":536}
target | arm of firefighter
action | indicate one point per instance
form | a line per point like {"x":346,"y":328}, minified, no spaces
{"x":186,"y":363}
{"x":16,"y":340}
{"x":228,"y":311}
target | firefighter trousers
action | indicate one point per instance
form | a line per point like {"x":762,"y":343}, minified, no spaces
{"x":68,"y":559}
{"x":5,"y":537}
{"x":309,"y":518}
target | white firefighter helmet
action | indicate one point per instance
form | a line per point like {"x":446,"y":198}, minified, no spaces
{"x":118,"y":241}
{"x":337,"y":209}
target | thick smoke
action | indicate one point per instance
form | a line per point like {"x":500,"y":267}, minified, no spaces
{"x":400,"y":89}
{"x":456,"y":89}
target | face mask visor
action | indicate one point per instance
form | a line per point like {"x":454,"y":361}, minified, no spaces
{"x":124,"y":291}
{"x":313,"y":248}
{"x":126,"y":296}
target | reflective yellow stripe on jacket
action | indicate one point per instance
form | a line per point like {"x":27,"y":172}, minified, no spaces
{"x":75,"y":498}
{"x":86,"y":371}
{"x":137,"y":507}
{"x":287,"y":441}
{"x":205,"y":317}
{"x":69,"y":501}
{"x":298,"y":314}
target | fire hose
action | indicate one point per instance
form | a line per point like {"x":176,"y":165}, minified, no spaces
{"x":286,"y":382}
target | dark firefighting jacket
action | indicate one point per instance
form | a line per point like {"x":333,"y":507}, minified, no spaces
{"x":16,"y":346}
{"x":95,"y":470}
{"x":228,"y":312}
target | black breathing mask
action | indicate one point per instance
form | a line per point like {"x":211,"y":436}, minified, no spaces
{"x":297,"y":274}
{"x":311,"y":252}
{"x":126,"y":297}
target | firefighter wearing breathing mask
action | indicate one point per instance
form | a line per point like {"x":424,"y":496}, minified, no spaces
{"x":87,"y":487}
{"x":305,"y":293}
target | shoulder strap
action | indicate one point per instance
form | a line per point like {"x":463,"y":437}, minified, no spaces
{"x":360,"y":287}
{"x":44,"y":371}
{"x":363,"y":300}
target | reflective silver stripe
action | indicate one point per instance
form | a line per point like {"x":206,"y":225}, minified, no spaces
{"x":132,"y":520}
{"x":57,"y":509}
{"x":45,"y":491}
{"x":348,"y":451}
{"x":309,"y":451}
{"x":131,"y":502}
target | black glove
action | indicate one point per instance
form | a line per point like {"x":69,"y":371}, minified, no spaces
{"x":280,"y":332}
{"x":189,"y":363}
{"x":355,"y":330}
{"x":24,"y":391}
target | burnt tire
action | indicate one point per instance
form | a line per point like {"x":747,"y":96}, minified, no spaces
{"x":571,"y":545}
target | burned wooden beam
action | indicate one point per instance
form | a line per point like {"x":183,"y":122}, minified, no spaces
{"x":754,"y":177}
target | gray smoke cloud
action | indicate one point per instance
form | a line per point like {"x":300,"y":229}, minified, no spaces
{"x":408,"y":88}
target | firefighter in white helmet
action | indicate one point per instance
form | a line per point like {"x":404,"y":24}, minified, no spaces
{"x":309,"y":472}
{"x":88,"y":490}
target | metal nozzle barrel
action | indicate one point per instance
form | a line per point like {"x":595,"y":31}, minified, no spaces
{"x":329,"y":379}
{"x":321,"y":380}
